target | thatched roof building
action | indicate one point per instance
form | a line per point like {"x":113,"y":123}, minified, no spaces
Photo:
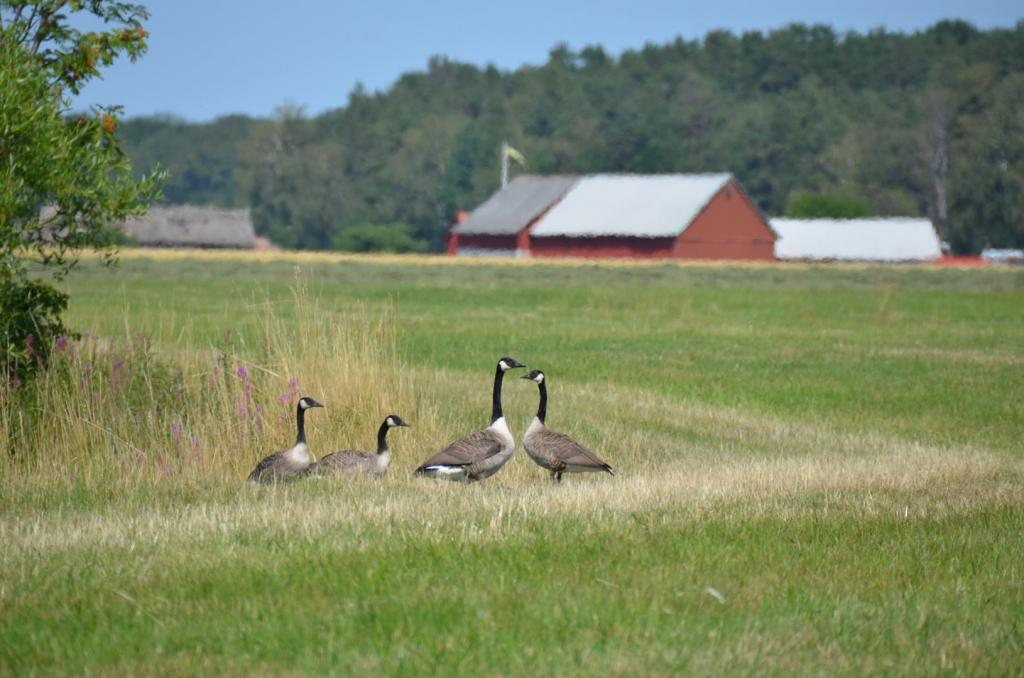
{"x":191,"y":226}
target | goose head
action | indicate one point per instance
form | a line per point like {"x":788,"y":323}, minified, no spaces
{"x":534,"y":375}
{"x":306,"y":403}
{"x":394,"y":420}
{"x":507,"y":363}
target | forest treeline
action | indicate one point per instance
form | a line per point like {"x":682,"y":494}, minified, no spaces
{"x":924,"y":124}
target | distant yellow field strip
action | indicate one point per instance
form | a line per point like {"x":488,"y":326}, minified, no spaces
{"x":307,"y":257}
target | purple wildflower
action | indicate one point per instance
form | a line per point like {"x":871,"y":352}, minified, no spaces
{"x":115,"y":372}
{"x":61,"y":343}
{"x":242,"y":372}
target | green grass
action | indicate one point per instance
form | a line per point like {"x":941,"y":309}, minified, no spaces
{"x":819,"y":471}
{"x":930,"y":354}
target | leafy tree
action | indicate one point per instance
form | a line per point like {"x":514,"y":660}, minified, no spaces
{"x":824,"y":205}
{"x":378,"y":238}
{"x":73,"y":166}
{"x":296,"y":187}
{"x":201,"y":161}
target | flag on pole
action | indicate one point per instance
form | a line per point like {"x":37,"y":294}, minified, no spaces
{"x":515,"y":155}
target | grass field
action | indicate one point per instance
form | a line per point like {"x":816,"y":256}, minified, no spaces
{"x":819,"y":470}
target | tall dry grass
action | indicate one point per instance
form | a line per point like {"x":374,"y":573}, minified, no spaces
{"x":119,"y":408}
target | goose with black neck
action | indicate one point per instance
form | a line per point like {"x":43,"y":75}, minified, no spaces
{"x":552,"y":450}
{"x":481,"y":454}
{"x":355,"y":462}
{"x":294,"y":461}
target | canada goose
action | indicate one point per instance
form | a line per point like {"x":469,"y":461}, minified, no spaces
{"x":481,"y":454}
{"x":291,"y":462}
{"x":353,"y":462}
{"x":556,"y":451}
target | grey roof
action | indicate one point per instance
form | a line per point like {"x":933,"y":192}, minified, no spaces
{"x":880,"y":239}
{"x":646,"y":206}
{"x":513,"y":208}
{"x":190,"y":226}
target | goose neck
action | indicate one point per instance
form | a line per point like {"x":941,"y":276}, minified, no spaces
{"x":382,"y":436}
{"x":300,"y":424}
{"x":496,"y":414}
{"x":542,"y":407}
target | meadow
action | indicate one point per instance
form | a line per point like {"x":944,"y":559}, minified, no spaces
{"x":819,"y":470}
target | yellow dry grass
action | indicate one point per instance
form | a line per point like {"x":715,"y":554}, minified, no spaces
{"x":736,"y":489}
{"x":729,"y":465}
{"x":319,"y":257}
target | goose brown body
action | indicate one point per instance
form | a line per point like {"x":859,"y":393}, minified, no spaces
{"x":475,"y":457}
{"x":553,"y":450}
{"x":357,"y":462}
{"x":282,"y":465}
{"x":290,"y":463}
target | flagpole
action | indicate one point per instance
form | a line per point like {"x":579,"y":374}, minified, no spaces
{"x":504,"y":164}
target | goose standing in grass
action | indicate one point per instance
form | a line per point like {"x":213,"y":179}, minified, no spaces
{"x":354,"y":462}
{"x":293,"y":461}
{"x":556,"y":451}
{"x":481,"y":454}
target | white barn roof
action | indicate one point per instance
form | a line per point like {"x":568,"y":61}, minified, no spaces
{"x":882,"y":239}
{"x":636,"y":205}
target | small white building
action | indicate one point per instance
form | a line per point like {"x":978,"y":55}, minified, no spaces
{"x":1002,"y":256}
{"x":876,"y":239}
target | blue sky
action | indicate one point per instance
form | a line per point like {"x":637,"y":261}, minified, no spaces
{"x":214,"y":57}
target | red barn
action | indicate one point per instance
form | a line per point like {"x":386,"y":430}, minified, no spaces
{"x":684,"y":216}
{"x":681,"y":216}
{"x":500,"y":226}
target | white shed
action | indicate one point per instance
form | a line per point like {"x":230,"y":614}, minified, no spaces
{"x":876,"y":239}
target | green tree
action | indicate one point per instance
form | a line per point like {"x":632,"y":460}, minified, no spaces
{"x":71,"y":166}
{"x":824,"y":205}
{"x":378,"y":238}
{"x":201,"y":161}
{"x":295,"y":183}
